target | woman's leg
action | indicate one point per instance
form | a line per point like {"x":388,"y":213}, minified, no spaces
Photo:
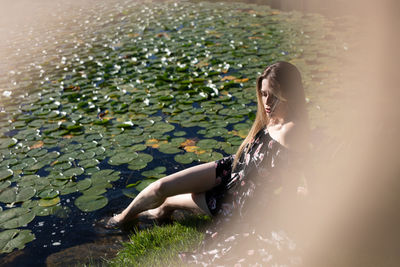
{"x":191,"y":202}
{"x":196,"y":179}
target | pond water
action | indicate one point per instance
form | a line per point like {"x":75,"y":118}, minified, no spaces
{"x":100,"y":99}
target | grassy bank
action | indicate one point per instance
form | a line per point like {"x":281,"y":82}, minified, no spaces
{"x":160,"y":245}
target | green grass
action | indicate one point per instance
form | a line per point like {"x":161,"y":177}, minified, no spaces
{"x":160,"y":245}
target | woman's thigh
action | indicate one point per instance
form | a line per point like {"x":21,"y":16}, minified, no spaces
{"x":195,"y":202}
{"x":195,"y":179}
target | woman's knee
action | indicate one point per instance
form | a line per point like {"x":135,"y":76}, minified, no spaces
{"x":161,"y":188}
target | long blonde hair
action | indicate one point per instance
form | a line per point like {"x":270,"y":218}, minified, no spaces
{"x":285,"y":82}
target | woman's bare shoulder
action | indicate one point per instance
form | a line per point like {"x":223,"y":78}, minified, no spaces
{"x":293,"y":136}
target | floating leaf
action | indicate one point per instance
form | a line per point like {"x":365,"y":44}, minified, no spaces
{"x":48,"y":202}
{"x":14,"y":239}
{"x":122,"y":158}
{"x":84,"y":184}
{"x":208,"y":144}
{"x":163,"y":127}
{"x":130,"y":192}
{"x":155,"y":173}
{"x":7,"y":143}
{"x":186,"y":158}
{"x":180,"y":133}
{"x":49,"y":193}
{"x":14,"y":194}
{"x":89,"y":203}
{"x":73,"y":172}
{"x":88,"y":163}
{"x":208,"y":157}
{"x":169,"y":148}
{"x":4,"y":174}
{"x":15,"y":217}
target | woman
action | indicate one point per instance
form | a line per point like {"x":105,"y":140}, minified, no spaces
{"x":281,"y":118}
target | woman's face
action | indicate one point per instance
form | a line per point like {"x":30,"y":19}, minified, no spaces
{"x":272,"y":105}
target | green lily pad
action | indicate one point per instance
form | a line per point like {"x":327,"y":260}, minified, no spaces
{"x":85,"y":155}
{"x":74,"y":172}
{"x":15,"y":217}
{"x":48,"y":202}
{"x":7,"y":143}
{"x":162,"y":127}
{"x":88,"y":163}
{"x":141,"y":161}
{"x":180,"y":133}
{"x":49,"y":194}
{"x":130,"y":192}
{"x":157,"y":172}
{"x":97,"y":189}
{"x":4,"y":184}
{"x":105,"y":176}
{"x":84,"y":184}
{"x":208,"y":144}
{"x":4,"y":174}
{"x":14,"y":194}
{"x":169,"y":148}
{"x":89,"y":203}
{"x":14,"y":239}
{"x":138,"y":147}
{"x":228,"y":148}
{"x":186,"y":158}
{"x":43,"y":211}
{"x":210,"y":156}
{"x":122,"y":158}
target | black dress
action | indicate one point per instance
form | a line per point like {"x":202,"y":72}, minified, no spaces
{"x":254,"y":168}
{"x":241,"y":197}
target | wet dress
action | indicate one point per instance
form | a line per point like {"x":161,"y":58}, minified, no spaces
{"x":249,"y":191}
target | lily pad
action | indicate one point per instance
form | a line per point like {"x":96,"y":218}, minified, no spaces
{"x":210,"y":156}
{"x":140,"y":162}
{"x":14,"y":239}
{"x":162,"y":127}
{"x":7,"y":143}
{"x":15,"y":217}
{"x":48,"y":202}
{"x":89,"y":203}
{"x":105,"y":176}
{"x":186,"y":158}
{"x":157,"y":172}
{"x":14,"y":194}
{"x":130,"y":192}
{"x":138,"y":147}
{"x":84,"y":184}
{"x":73,"y":172}
{"x":49,"y":193}
{"x":180,"y":133}
{"x":88,"y":163}
{"x":4,"y":174}
{"x":169,"y":148}
{"x":208,"y":144}
{"x":122,"y":158}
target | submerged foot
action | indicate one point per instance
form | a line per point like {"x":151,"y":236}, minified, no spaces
{"x":108,"y":225}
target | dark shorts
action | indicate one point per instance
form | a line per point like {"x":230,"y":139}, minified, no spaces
{"x":215,"y":196}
